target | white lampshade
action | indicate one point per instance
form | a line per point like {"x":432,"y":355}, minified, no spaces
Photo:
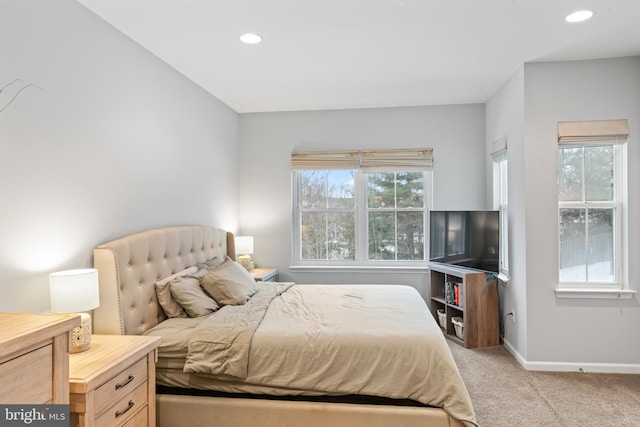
{"x":244,"y":245}
{"x":74,"y":291}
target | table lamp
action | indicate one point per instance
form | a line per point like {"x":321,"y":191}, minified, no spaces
{"x":244,"y":247}
{"x":76,"y":291}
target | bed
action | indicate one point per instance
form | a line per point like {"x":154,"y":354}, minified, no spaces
{"x":312,"y":355}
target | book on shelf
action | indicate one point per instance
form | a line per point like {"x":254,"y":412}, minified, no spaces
{"x":454,"y":293}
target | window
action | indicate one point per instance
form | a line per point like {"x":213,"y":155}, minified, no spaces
{"x":500,"y":200}
{"x":395,"y":216}
{"x":326,"y":214}
{"x":361,"y":208}
{"x":590,"y":207}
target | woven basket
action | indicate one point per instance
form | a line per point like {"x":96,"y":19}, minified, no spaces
{"x":459,"y":326}
{"x":442,"y":319}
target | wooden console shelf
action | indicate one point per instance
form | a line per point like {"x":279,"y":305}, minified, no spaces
{"x":477,"y":304}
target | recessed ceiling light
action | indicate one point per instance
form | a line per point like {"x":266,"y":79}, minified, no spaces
{"x":251,"y":38}
{"x":579,"y":16}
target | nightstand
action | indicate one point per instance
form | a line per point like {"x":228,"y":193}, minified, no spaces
{"x":114,"y":382}
{"x":264,"y":274}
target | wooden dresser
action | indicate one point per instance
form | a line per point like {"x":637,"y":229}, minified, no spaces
{"x":34,"y":357}
{"x":113,"y":383}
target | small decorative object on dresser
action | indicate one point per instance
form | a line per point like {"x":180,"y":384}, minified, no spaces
{"x":265,"y":274}
{"x":113,"y":384}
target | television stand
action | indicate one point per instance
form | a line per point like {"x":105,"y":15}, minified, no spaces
{"x":475,"y":309}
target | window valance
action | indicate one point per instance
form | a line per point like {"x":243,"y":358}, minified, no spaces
{"x":304,"y":160}
{"x":406,"y":160}
{"x":499,"y":147}
{"x":593,"y":132}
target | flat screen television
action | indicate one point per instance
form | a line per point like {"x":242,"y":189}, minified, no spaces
{"x":465,"y":238}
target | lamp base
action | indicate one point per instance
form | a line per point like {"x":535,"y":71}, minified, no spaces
{"x":82,"y":335}
{"x":245,"y":261}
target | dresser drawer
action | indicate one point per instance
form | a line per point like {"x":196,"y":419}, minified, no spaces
{"x":113,"y":384}
{"x":140,"y":419}
{"x":120,"y":386}
{"x":28,"y":377}
{"x":125,"y":409}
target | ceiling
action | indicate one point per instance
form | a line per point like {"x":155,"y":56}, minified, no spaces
{"x":336,"y":54}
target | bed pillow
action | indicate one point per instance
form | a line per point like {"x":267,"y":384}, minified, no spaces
{"x":229,"y":283}
{"x":169,"y":305}
{"x":187,"y":292}
{"x":211,"y":263}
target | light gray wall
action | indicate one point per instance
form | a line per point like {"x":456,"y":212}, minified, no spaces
{"x":505,"y":118}
{"x":115,"y":142}
{"x":456,"y":133}
{"x":550,"y":333}
{"x":577,"y":331}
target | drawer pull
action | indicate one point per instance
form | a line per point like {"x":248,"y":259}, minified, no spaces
{"x":124,"y":411}
{"x":131,"y":377}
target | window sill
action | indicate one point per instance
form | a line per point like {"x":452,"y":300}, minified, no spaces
{"x":504,"y":279}
{"x":595,"y":293}
{"x":357,"y":268}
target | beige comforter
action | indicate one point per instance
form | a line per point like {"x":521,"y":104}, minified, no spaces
{"x":220,"y":344}
{"x":376,"y":340}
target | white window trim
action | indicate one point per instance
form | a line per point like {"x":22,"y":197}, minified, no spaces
{"x":594,"y":293}
{"x":358,"y":268}
{"x":360,"y":263}
{"x":620,"y":290}
{"x":498,"y":155}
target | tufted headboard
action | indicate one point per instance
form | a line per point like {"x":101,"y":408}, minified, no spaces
{"x":129,"y":267}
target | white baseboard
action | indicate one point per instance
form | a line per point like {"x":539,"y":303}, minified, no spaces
{"x":511,"y":349}
{"x":601,"y":368}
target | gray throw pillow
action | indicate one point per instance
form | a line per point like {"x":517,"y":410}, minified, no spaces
{"x":187,"y":292}
{"x":169,"y":305}
{"x":229,"y":283}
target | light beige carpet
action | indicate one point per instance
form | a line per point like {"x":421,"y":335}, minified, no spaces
{"x":505,"y":394}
